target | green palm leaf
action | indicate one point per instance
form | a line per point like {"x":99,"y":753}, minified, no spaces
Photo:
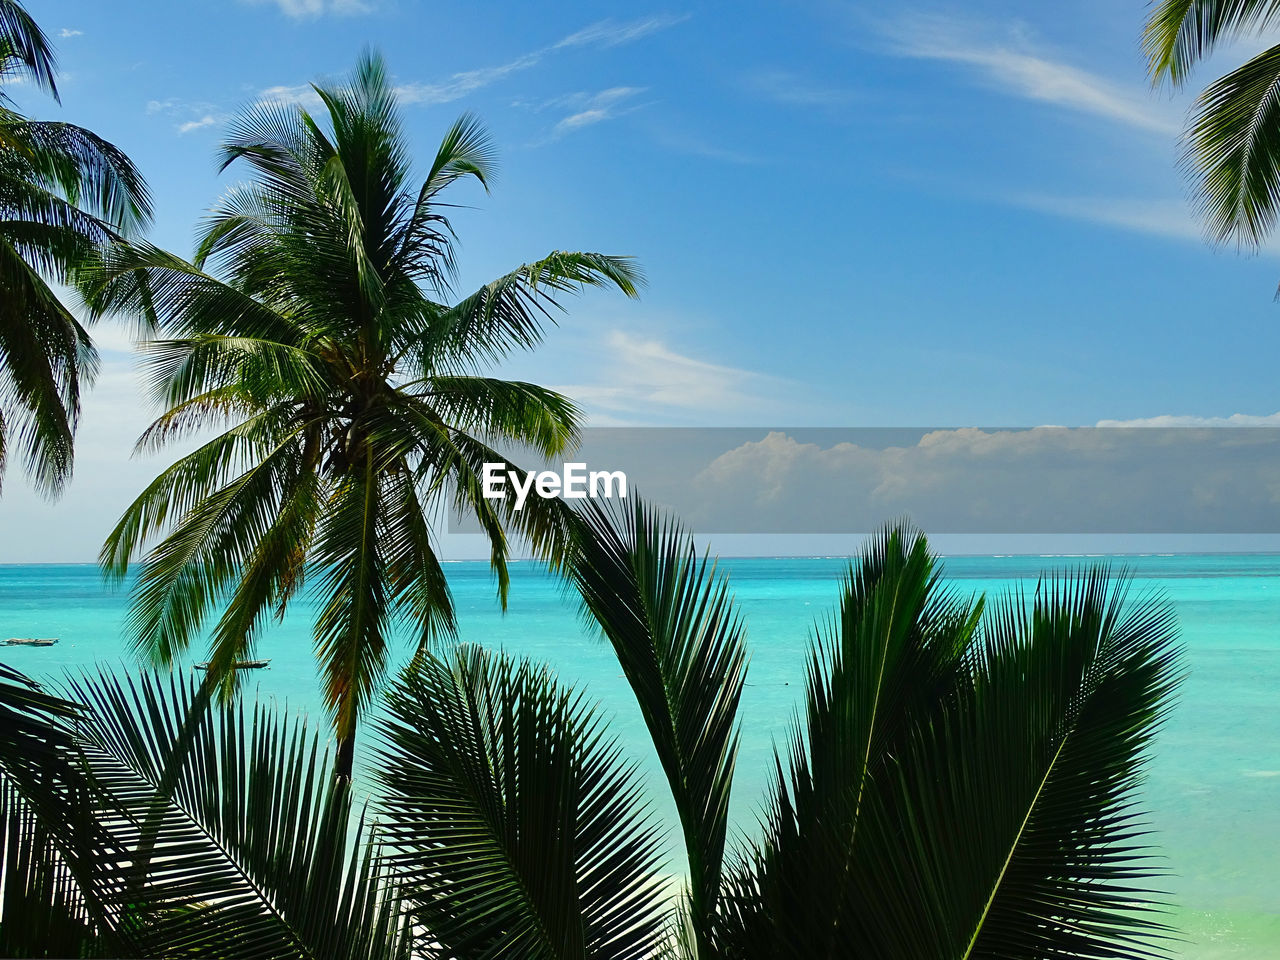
{"x":28,"y":46}
{"x":515,"y":826}
{"x":226,"y":831}
{"x":1234,"y":144}
{"x":1179,"y":33}
{"x":989,"y":811}
{"x":670,"y":618}
{"x":63,"y":190}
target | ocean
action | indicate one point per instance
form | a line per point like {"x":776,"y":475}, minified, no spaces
{"x":1212,"y":788}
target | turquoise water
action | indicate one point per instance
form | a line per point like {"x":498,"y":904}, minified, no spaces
{"x":1213,"y":786}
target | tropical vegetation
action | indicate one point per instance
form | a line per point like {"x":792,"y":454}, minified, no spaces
{"x":959,"y":784}
{"x":1233,"y":134}
{"x":313,"y":333}
{"x":63,"y":191}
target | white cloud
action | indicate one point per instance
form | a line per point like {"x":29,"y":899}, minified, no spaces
{"x":698,"y":147}
{"x":208,"y":120}
{"x":1171,"y":217}
{"x":306,"y":9}
{"x":460,"y":84}
{"x":1008,"y":60}
{"x":1042,"y":480}
{"x":67,"y":33}
{"x":188,"y":115}
{"x":785,"y":87}
{"x":304,"y":95}
{"x":609,"y":33}
{"x":1188,"y":420}
{"x":590,"y":109}
{"x":606,"y":33}
{"x":644,"y":380}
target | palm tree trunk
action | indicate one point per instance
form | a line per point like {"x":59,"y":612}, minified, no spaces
{"x":346,"y":756}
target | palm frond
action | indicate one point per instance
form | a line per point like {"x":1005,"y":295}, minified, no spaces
{"x":45,"y":355}
{"x":889,"y":661}
{"x":1234,"y":146}
{"x":509,"y":313}
{"x":506,"y":410}
{"x":91,"y":172}
{"x":514,"y":823}
{"x":994,"y":813}
{"x":227,"y":832}
{"x":1180,"y":33}
{"x":28,"y":45}
{"x":670,"y":618}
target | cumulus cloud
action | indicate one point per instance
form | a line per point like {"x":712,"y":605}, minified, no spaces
{"x":1046,"y":480}
{"x":66,"y":33}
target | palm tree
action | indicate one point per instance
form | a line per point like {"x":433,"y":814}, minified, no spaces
{"x":1233,"y":133}
{"x":960,"y":785}
{"x":63,"y":191}
{"x":314,"y":329}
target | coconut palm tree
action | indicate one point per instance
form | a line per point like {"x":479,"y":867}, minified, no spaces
{"x":63,"y":190}
{"x":960,"y":784}
{"x":1233,"y":134}
{"x":316,"y":330}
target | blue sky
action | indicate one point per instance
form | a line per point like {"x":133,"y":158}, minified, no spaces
{"x":850,"y":213}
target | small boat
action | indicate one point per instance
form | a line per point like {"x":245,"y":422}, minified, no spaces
{"x":31,"y":641}
{"x":240,"y":665}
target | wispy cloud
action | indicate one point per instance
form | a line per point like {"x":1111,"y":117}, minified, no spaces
{"x":308,"y":9}
{"x":1171,"y":218}
{"x":591,"y":109}
{"x":606,"y":33}
{"x":645,"y":380}
{"x":610,"y":33}
{"x":1007,"y":58}
{"x":187,"y":115}
{"x":460,"y":84}
{"x":785,"y":87}
{"x":67,"y":33}
{"x":695,"y":146}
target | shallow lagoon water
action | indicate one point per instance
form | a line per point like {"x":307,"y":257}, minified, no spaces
{"x":1213,"y":787}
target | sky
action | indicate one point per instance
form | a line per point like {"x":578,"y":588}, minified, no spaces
{"x":850,"y":214}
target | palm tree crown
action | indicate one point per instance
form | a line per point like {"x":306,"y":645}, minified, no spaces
{"x":63,"y":190}
{"x":312,"y":327}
